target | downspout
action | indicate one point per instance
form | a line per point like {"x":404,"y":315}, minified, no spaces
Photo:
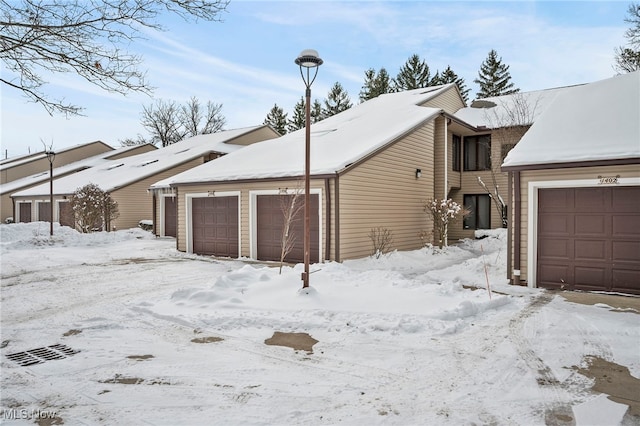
{"x":517,"y":234}
{"x":510,"y":225}
{"x":337,"y":218}
{"x":446,"y":159}
{"x":446,"y":171}
{"x":327,"y":241}
{"x":154,"y":210}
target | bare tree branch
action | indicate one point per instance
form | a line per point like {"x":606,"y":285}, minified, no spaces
{"x":85,"y":38}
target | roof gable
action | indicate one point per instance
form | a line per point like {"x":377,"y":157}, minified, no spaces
{"x":597,"y":121}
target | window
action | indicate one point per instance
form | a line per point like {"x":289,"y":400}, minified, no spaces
{"x":480,"y":208}
{"x":457,"y":147}
{"x":477,"y":152}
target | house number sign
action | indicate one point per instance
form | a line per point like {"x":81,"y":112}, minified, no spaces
{"x":608,"y":180}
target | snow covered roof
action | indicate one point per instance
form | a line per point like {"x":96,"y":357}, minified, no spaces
{"x":43,"y":176}
{"x":27,"y":158}
{"x":597,"y":121}
{"x":509,"y":110}
{"x":114,"y":174}
{"x":336,"y":142}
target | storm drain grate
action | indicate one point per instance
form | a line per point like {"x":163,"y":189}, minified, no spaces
{"x":40,"y":355}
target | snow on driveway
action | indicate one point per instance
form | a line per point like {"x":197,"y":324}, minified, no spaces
{"x":165,"y":337}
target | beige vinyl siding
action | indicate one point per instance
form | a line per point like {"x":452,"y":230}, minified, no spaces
{"x":258,"y":135}
{"x":140,"y":149}
{"x":245,"y":189}
{"x":449,"y":101}
{"x":6,"y":207}
{"x":384,"y":192}
{"x":11,"y":172}
{"x":135,"y":202}
{"x":586,"y":173}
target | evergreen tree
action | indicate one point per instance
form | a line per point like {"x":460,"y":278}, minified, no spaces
{"x":414,"y":74}
{"x":628,"y":58}
{"x":494,"y":78}
{"x":298,"y":119}
{"x":336,"y":102}
{"x":277,"y":119}
{"x":448,"y":76}
{"x":316,"y":112}
{"x":375,"y":85}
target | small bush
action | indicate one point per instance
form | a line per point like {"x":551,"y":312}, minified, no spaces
{"x":382,"y":240}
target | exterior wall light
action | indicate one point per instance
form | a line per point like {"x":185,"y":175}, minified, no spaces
{"x":418,"y":173}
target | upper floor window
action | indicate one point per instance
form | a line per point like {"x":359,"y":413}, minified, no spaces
{"x":477,"y":152}
{"x":457,"y":151}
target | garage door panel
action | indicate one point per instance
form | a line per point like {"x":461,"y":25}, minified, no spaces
{"x":591,"y":277}
{"x":626,"y":225}
{"x":556,"y":201}
{"x":626,"y":251}
{"x":557,"y":224}
{"x":554,"y":276}
{"x":590,"y":225}
{"x":590,"y":250}
{"x":626,"y":281}
{"x":626,"y":200}
{"x":590,"y":199}
{"x":555,"y":248}
{"x":215,"y":226}
{"x":599,"y":248}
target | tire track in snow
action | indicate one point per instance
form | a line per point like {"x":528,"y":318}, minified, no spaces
{"x":558,"y":411}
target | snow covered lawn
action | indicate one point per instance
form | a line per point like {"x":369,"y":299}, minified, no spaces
{"x":164,"y":337}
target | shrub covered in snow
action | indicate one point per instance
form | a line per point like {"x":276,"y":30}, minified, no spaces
{"x":93,"y":208}
{"x":444,"y":212}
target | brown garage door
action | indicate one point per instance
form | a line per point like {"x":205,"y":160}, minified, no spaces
{"x":44,"y":212}
{"x":25,"y":212}
{"x":589,"y":239}
{"x":170,"y":216}
{"x":215,"y":226}
{"x":66,"y":214}
{"x":270,"y":223}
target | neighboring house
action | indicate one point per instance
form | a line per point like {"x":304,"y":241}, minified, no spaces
{"x":372,"y":166}
{"x":27,"y":165}
{"x":127,"y":179}
{"x":493,"y":127}
{"x":7,"y":189}
{"x":575,"y":198}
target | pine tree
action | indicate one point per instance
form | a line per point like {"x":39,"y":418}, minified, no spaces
{"x":316,"y":112}
{"x":336,"y":102}
{"x":277,"y":119}
{"x":298,"y":119}
{"x":448,"y":76}
{"x":375,"y":85}
{"x":494,"y":78}
{"x":628,"y":58}
{"x":414,"y":74}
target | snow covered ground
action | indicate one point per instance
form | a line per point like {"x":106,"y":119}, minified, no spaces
{"x":410,"y":338}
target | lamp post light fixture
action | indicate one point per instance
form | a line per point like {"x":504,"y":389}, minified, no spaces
{"x":308,"y":59}
{"x":50,"y":156}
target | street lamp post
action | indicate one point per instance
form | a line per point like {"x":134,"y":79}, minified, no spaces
{"x":308,"y":59}
{"x":50,"y":156}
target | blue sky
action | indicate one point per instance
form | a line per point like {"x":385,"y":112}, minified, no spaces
{"x":246,"y":63}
